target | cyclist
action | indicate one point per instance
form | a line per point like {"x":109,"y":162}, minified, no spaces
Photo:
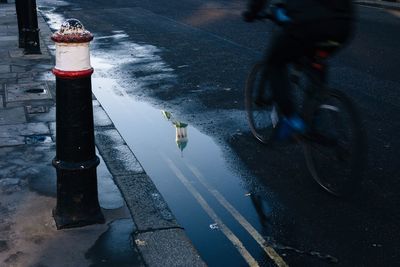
{"x":305,"y":23}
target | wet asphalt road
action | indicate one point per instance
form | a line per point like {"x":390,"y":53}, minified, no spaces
{"x":191,"y":58}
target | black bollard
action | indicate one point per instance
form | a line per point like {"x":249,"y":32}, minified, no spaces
{"x":21,"y":20}
{"x":31,"y":28}
{"x":76,"y":160}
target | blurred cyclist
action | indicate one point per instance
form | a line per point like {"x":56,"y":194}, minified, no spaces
{"x":305,"y":23}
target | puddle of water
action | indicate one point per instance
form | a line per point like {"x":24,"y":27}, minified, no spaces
{"x":115,"y":36}
{"x":109,"y":196}
{"x":149,"y":131}
{"x":152,"y":134}
{"x":38,"y":139}
{"x":113,"y":248}
{"x":53,"y":19}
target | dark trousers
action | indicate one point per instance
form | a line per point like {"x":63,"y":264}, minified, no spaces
{"x":292,"y":43}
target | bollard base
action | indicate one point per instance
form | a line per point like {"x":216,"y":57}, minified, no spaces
{"x":66,"y":221}
{"x":31,"y":42}
{"x":32,"y":50}
{"x":77,"y":197}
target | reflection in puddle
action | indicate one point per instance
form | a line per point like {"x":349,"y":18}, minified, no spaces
{"x":204,"y":168}
{"x":181,"y":135}
{"x":134,"y":69}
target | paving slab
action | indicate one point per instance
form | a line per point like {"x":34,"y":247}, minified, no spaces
{"x":12,"y":115}
{"x":8,"y":38}
{"x":23,"y":129}
{"x":28,"y":91}
{"x":4,"y":68}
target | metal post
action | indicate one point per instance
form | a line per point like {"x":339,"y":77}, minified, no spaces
{"x":31,"y":29}
{"x":76,"y":160}
{"x":21,"y":19}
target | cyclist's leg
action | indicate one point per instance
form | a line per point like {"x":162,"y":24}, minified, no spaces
{"x":287,"y":46}
{"x":278,"y":57}
{"x":284,"y":50}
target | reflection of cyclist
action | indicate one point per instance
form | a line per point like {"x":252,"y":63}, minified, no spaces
{"x":257,"y":201}
{"x":304,"y":24}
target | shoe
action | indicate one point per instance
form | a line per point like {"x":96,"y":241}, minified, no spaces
{"x":287,"y":128}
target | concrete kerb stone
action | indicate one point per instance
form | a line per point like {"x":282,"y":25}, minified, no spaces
{"x":162,"y":248}
{"x":155,"y":223}
{"x":120,"y":159}
{"x":149,"y":210}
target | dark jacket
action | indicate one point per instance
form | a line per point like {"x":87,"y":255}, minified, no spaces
{"x":303,"y":11}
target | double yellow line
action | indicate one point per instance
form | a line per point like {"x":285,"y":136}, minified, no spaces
{"x":275,"y":257}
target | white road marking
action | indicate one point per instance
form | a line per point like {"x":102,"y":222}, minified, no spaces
{"x":228,"y":233}
{"x":246,"y":225}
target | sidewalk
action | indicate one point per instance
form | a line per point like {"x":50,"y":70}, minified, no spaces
{"x":140,"y":229}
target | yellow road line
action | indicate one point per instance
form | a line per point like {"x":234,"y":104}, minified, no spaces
{"x":246,"y":225}
{"x":228,"y":233}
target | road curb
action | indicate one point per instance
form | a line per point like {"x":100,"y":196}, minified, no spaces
{"x":160,"y":240}
{"x":380,"y":4}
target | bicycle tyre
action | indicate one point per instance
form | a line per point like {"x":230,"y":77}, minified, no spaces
{"x":259,"y":115}
{"x":335,"y":161}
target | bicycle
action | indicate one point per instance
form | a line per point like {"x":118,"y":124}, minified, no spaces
{"x":334,"y":145}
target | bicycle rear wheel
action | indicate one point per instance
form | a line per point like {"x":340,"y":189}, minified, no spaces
{"x":335,"y":146}
{"x":261,"y":113}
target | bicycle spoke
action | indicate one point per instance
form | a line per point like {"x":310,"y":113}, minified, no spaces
{"x":258,"y":103}
{"x":333,"y":147}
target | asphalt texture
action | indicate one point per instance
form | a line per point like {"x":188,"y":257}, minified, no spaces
{"x":219,"y":48}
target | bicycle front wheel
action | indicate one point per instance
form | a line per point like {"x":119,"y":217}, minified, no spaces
{"x":261,"y":113}
{"x":335,"y":149}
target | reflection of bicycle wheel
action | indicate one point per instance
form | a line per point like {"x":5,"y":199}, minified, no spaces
{"x":335,"y":147}
{"x":261,"y":112}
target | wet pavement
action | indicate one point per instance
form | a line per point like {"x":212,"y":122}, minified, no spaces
{"x":170,"y":81}
{"x":161,"y":66}
{"x":28,"y":234}
{"x":114,"y":247}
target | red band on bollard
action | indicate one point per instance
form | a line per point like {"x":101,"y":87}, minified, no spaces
{"x":72,"y":74}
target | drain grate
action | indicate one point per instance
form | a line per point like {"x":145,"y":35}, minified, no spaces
{"x":26,"y":92}
{"x":35,"y":91}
